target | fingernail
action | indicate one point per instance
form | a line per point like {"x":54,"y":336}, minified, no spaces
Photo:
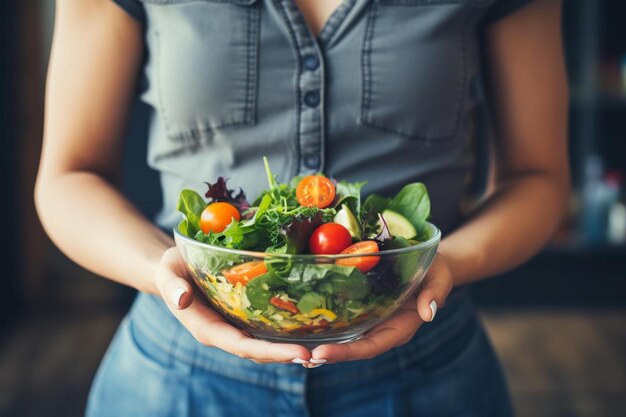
{"x":300,"y":361}
{"x":311,"y":366}
{"x":177,"y":295}
{"x":318,"y":360}
{"x":433,"y":309}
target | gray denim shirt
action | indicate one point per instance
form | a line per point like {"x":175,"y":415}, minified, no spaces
{"x":388,"y":92}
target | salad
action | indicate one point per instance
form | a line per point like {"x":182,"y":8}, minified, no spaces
{"x":283,"y":291}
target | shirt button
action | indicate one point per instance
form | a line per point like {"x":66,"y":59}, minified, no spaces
{"x":312,"y":161}
{"x":311,"y":62}
{"x":312,"y":98}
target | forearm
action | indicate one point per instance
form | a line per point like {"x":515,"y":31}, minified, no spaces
{"x":511,"y":226}
{"x":95,"y":226}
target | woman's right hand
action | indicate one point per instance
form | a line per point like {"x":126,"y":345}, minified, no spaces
{"x":207,"y":325}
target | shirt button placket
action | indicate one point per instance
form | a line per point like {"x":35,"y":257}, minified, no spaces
{"x":312,"y":161}
{"x":310,"y":62}
{"x":312,"y":110}
{"x":310,"y":84}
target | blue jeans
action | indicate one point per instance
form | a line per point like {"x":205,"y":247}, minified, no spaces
{"x":155,"y":368}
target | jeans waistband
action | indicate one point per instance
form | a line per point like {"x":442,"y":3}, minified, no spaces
{"x":163,"y":337}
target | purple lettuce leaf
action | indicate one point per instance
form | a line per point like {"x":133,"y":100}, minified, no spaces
{"x":219,"y":192}
{"x":300,"y":229}
{"x":384,"y":234}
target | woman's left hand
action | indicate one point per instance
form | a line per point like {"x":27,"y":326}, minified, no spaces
{"x":398,"y":329}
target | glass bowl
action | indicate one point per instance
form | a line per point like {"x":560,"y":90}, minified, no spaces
{"x":308,"y":299}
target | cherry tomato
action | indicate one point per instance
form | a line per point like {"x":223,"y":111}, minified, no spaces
{"x":315,"y":191}
{"x":245,"y":272}
{"x":217,"y":216}
{"x":284,"y":305}
{"x":363,"y":263}
{"x":329,"y":238}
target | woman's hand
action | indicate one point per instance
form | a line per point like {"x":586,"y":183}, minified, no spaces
{"x":208,"y":326}
{"x":400,"y":328}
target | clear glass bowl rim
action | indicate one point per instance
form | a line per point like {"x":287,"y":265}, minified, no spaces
{"x":427,"y":244}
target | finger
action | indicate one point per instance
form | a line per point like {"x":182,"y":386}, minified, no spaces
{"x":175,"y":290}
{"x":394,"y":332}
{"x":267,"y":352}
{"x":435,"y":289}
{"x":211,"y":329}
{"x":173,"y":260}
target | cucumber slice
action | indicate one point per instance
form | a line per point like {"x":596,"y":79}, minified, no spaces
{"x":345,"y":218}
{"x":399,"y":225}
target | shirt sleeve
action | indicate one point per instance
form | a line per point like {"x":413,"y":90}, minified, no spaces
{"x":133,"y":8}
{"x":503,"y":8}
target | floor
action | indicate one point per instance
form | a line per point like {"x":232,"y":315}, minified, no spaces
{"x":559,"y":363}
{"x":563,"y":363}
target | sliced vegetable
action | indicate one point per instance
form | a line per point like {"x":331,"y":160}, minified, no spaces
{"x":243,"y":273}
{"x":328,"y":315}
{"x":329,"y":238}
{"x":362,"y":263}
{"x":399,"y":225}
{"x":345,"y":218}
{"x":217,"y":216}
{"x":315,"y":191}
{"x":284,"y":305}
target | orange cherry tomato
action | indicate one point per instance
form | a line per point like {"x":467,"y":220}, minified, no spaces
{"x":217,"y":216}
{"x":245,"y":272}
{"x":284,"y":305}
{"x":329,"y":239}
{"x":362,"y":263}
{"x":315,"y":191}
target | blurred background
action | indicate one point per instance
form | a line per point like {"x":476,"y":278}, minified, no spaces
{"x":558,"y":322}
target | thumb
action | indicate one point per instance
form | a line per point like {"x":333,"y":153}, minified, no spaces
{"x":174,"y":289}
{"x":435,"y":289}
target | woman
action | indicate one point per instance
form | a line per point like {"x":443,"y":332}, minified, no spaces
{"x":387,"y":91}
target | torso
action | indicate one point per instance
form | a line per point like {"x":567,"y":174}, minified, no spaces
{"x":385,"y":91}
{"x":317,"y":12}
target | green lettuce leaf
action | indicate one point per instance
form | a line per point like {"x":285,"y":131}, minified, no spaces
{"x":310,"y":301}
{"x":191,"y":205}
{"x":413,"y":203}
{"x":349,"y":193}
{"x":373,"y":205}
{"x":260,"y":289}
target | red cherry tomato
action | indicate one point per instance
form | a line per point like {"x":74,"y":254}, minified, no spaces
{"x":362,"y":263}
{"x":329,"y":238}
{"x":315,"y":191}
{"x":284,"y":305}
{"x":217,"y":216}
{"x":245,"y":272}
